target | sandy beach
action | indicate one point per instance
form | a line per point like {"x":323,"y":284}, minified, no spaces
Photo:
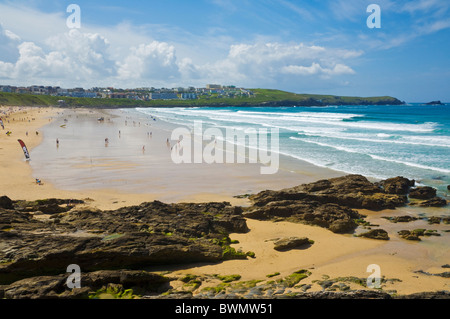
{"x":120,"y":173}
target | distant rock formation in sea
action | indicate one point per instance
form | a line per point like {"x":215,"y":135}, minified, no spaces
{"x":434,"y":103}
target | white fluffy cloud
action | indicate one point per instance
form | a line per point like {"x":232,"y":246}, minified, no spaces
{"x":315,"y":68}
{"x":72,"y":56}
{"x":273,"y":62}
{"x":77,"y":58}
{"x":154,"y":61}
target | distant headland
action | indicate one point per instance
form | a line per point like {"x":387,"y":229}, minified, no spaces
{"x":212,"y":95}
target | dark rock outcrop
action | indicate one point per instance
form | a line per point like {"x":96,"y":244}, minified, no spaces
{"x":397,"y":185}
{"x":35,"y":252}
{"x":434,"y":220}
{"x":334,"y":217}
{"x":284,"y":244}
{"x":55,"y":287}
{"x":433,"y":202}
{"x":132,"y":237}
{"x":417,"y":233}
{"x":427,"y":295}
{"x":434,"y":103}
{"x":409,"y":235}
{"x":46,"y":206}
{"x":380,"y":234}
{"x":326,"y":203}
{"x":425,"y":192}
{"x":353,"y":191}
{"x":6,"y":202}
{"x":330,"y":203}
{"x":401,"y":219}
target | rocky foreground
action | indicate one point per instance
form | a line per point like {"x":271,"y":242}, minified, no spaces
{"x":116,"y":250}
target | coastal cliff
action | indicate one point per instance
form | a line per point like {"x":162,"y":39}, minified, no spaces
{"x":261,"y":97}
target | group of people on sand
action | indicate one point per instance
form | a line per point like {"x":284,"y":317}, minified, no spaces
{"x":149,"y":135}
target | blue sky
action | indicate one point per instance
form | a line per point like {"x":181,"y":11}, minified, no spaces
{"x":298,"y":46}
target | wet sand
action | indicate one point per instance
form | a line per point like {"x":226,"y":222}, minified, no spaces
{"x":83,"y":161}
{"x":120,"y":174}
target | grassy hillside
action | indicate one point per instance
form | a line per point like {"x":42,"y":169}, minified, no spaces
{"x":321,"y":100}
{"x":11,"y":99}
{"x":262,"y":97}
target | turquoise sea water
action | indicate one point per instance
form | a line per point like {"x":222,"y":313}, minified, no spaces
{"x":376,"y":141}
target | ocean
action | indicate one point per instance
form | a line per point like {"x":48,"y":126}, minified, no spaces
{"x":410,"y":140}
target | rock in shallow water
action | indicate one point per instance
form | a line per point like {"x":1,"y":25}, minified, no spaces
{"x":397,"y":185}
{"x":422,"y":193}
{"x":434,"y":202}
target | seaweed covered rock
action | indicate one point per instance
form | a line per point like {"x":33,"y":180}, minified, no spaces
{"x":337,"y":218}
{"x":326,"y":203}
{"x":353,"y":191}
{"x":380,"y":234}
{"x":434,"y":202}
{"x":401,"y":219}
{"x":46,"y":206}
{"x":397,"y":185}
{"x":138,"y":236}
{"x":425,"y":192}
{"x":409,"y":235}
{"x":417,"y":233}
{"x":115,"y":283}
{"x":6,"y":202}
{"x":289,"y":243}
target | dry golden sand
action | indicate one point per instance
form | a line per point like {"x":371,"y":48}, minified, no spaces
{"x":332,"y":255}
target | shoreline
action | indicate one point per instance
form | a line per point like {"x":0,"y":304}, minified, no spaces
{"x":332,"y":255}
{"x":123,"y":169}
